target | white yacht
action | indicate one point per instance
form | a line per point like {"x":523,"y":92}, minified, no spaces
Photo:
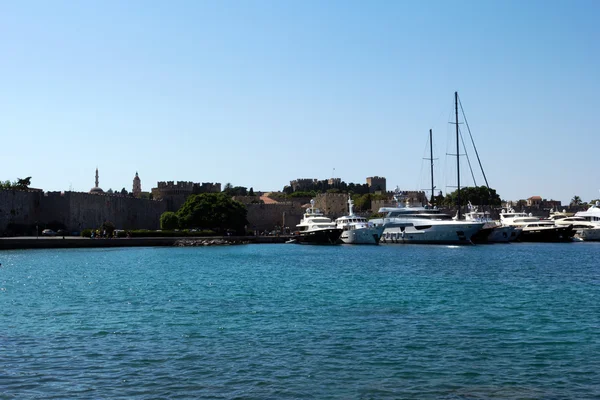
{"x":492,"y":231}
{"x":315,"y":228}
{"x":357,"y":229}
{"x":584,"y":229}
{"x":592,"y":214}
{"x":536,"y":229}
{"x":423,"y":225}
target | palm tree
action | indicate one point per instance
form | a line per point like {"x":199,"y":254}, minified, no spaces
{"x":576,"y":201}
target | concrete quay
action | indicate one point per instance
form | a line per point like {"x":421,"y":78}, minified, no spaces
{"x":20,"y":243}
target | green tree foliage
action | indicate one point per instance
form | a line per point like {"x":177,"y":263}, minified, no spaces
{"x":216,"y":211}
{"x":477,"y":195}
{"x":303,"y":194}
{"x":235,"y":191}
{"x":576,"y":201}
{"x":23,"y":184}
{"x":439,"y":200}
{"x":362,"y":202}
{"x":6,"y":185}
{"x":20,"y":184}
{"x":109,"y":227}
{"x":251,"y":192}
{"x":169,"y":220}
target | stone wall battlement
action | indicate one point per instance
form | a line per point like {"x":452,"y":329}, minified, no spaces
{"x":176,"y":185}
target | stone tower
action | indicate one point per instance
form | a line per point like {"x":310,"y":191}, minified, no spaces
{"x":137,"y":186}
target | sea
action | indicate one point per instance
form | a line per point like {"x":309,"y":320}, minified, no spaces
{"x":283,"y":321}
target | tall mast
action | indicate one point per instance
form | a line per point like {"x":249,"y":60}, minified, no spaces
{"x":457,"y":154}
{"x":431,"y":158}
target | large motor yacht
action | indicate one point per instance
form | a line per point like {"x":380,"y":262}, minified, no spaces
{"x":315,"y":228}
{"x":536,"y":229}
{"x":592,"y":214}
{"x":357,"y":229}
{"x":584,"y":229}
{"x":410,"y":224}
{"x":492,"y":231}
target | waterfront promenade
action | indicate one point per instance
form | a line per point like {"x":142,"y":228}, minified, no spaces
{"x":57,"y":242}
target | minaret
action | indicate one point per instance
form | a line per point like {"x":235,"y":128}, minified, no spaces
{"x":96,"y":189}
{"x":137,"y":186}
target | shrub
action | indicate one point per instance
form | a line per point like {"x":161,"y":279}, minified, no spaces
{"x":169,"y":220}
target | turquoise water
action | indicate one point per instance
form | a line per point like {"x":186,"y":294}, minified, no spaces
{"x":518,"y":321}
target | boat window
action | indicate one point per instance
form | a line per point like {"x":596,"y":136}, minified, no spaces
{"x":422,"y":227}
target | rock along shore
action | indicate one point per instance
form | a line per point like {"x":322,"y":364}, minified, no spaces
{"x":21,"y":243}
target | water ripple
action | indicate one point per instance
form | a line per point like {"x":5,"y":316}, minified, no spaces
{"x":293,"y":322}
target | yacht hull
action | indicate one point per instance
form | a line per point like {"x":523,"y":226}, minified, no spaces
{"x":432,"y":234}
{"x":496,"y":234}
{"x":588,"y":234}
{"x":362,"y":235}
{"x":320,"y":236}
{"x":553,"y":234}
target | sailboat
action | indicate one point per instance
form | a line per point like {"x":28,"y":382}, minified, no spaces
{"x":492,"y":231}
{"x":418,"y":224}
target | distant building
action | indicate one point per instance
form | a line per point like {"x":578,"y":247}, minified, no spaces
{"x":175,"y":193}
{"x":137,"y":186}
{"x":335,"y":182}
{"x":376,"y":183}
{"x":534,"y":201}
{"x":299,"y":185}
{"x":554,"y":204}
{"x":96,"y":189}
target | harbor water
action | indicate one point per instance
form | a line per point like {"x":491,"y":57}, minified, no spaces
{"x":514,"y":321}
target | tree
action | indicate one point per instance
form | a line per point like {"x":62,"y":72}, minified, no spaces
{"x":215,"y":211}
{"x":251,"y":192}
{"x":124,"y":192}
{"x":23,"y":184}
{"x":109,"y":227}
{"x":7,"y":185}
{"x":169,"y":221}
{"x":576,"y":201}
{"x":235,"y":191}
{"x":477,"y":195}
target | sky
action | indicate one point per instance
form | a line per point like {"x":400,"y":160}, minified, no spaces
{"x":259,"y":93}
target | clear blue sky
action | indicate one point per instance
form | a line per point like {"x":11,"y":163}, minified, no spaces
{"x":257,"y":93}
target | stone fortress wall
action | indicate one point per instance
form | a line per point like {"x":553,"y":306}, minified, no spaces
{"x":77,"y":210}
{"x":174,"y":193}
{"x":263,"y":217}
{"x":19,"y":207}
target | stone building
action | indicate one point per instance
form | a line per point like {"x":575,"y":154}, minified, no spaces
{"x":376,"y":184}
{"x":300,"y":185}
{"x":137,"y":186}
{"x":333,"y":205}
{"x":175,"y":193}
{"x":334,"y":182}
{"x":534,"y":201}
